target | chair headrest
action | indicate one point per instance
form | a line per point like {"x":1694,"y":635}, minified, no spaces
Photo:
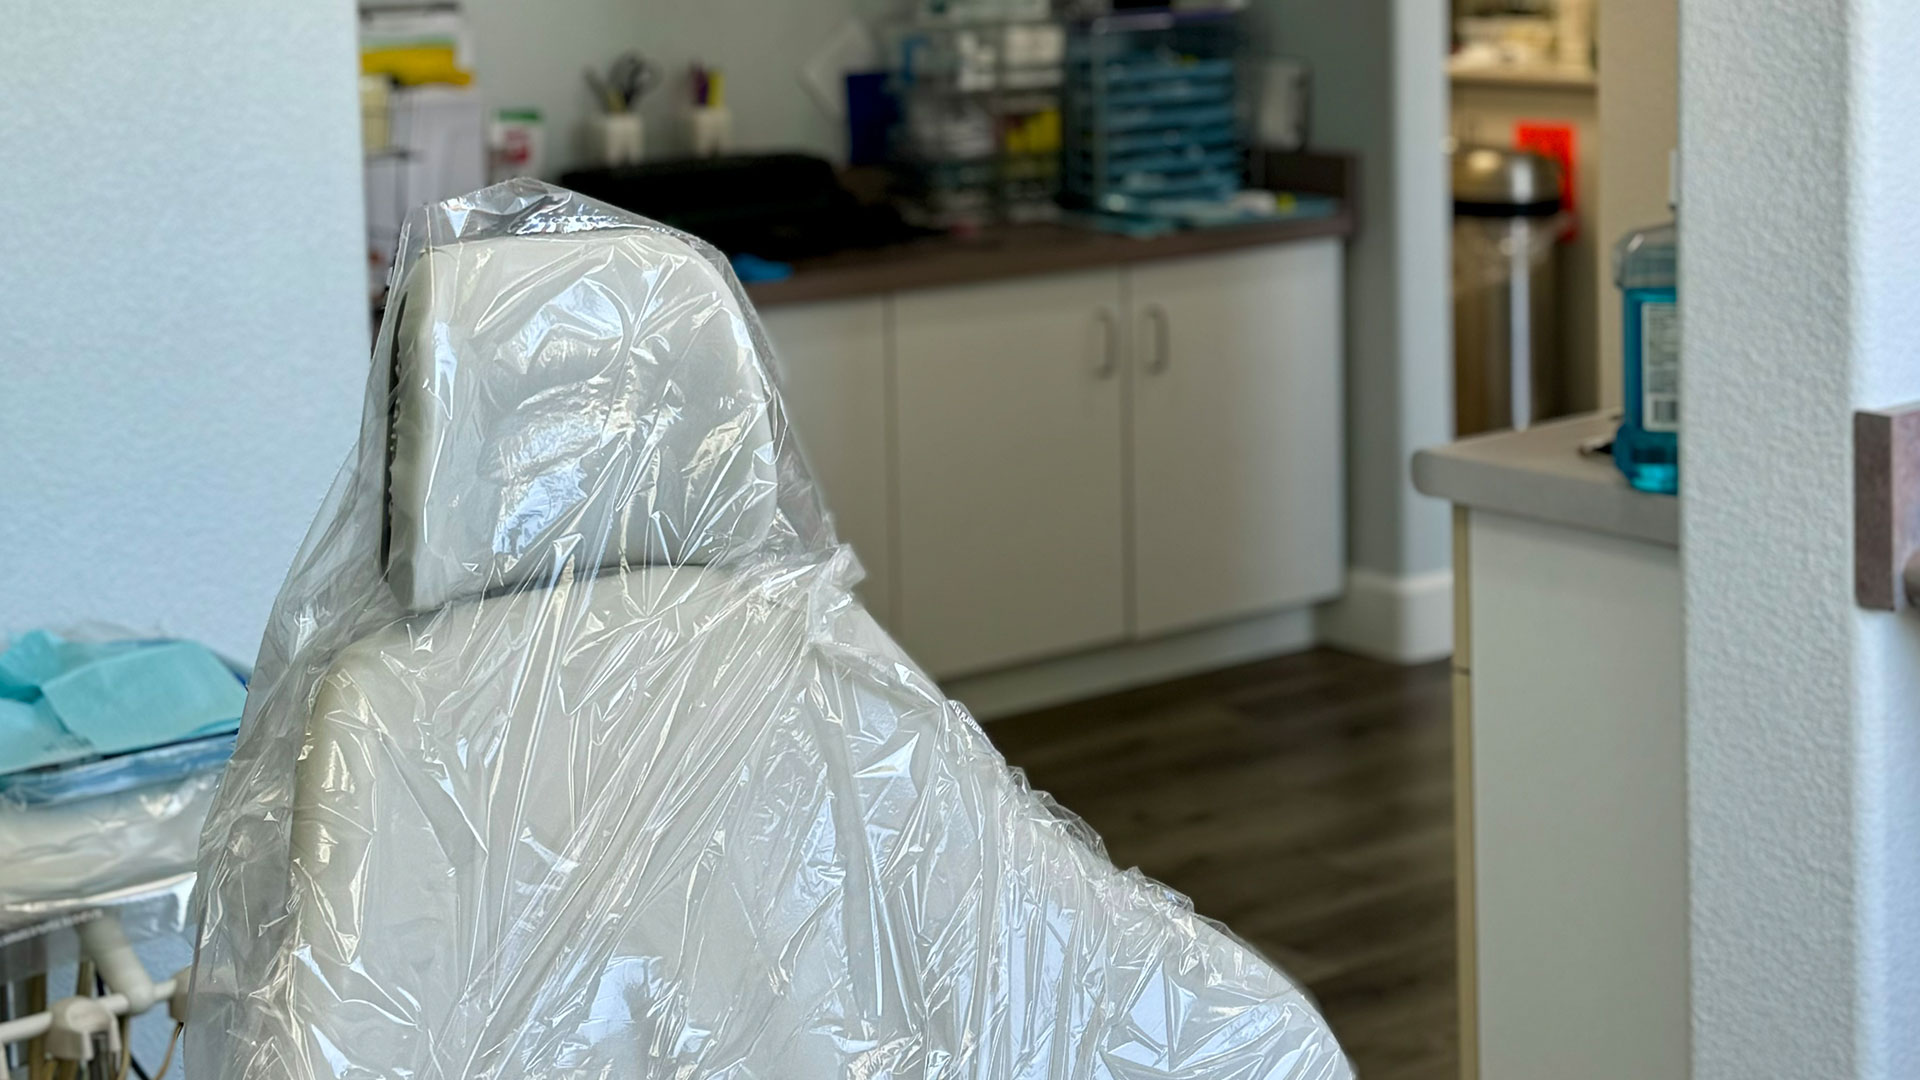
{"x":563,"y":403}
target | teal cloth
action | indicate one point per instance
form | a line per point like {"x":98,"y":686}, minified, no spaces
{"x":31,"y":737}
{"x":38,"y":656}
{"x":63,"y":700}
{"x":147,"y":696}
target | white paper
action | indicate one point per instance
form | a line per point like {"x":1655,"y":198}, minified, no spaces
{"x":850,"y":49}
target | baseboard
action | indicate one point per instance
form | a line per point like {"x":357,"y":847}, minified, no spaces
{"x":1407,"y":620}
{"x":1124,"y":667}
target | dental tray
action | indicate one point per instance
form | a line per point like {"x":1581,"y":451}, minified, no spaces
{"x":57,"y":784}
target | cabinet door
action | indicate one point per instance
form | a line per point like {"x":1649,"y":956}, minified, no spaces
{"x":1237,"y":457}
{"x":1009,"y":438}
{"x":831,"y":359}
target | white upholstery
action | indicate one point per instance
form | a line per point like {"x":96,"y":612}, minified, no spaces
{"x":71,"y":854}
{"x":594,"y":397}
{"x":730,"y":836}
{"x":638,"y":789}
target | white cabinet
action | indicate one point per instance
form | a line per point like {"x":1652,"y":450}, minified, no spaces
{"x":831,"y":360}
{"x":1570,"y":758}
{"x":1011,"y":492}
{"x":1237,"y":455}
{"x":1576,"y":804}
{"x":1047,"y":465}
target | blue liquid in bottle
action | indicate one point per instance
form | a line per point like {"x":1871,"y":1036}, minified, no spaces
{"x":1647,"y":446}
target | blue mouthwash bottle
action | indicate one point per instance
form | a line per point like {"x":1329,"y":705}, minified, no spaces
{"x":1647,"y":447}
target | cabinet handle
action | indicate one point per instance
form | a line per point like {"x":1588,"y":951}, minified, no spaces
{"x":1109,"y":357}
{"x":1160,"y":357}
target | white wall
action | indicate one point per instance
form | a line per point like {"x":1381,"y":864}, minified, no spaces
{"x":1639,"y":126}
{"x":534,"y":53}
{"x":1380,"y":89}
{"x":1799,"y":266}
{"x":183,"y":331}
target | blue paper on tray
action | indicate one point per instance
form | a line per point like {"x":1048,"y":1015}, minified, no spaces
{"x":39,"y":655}
{"x":31,"y":738}
{"x":146,"y":697}
{"x":62,"y":700}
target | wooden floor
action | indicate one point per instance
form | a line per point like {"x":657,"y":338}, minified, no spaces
{"x":1306,"y":802}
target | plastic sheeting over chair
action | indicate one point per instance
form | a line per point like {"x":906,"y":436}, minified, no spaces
{"x":570,"y":754}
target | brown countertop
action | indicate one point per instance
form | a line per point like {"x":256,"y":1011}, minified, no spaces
{"x":1009,"y":251}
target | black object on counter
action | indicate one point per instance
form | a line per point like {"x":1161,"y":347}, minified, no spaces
{"x":775,"y":206}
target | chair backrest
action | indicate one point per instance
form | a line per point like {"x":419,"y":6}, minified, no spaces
{"x":594,"y":399}
{"x":633,"y":787}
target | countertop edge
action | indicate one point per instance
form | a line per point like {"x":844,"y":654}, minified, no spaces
{"x":1468,"y":474}
{"x":939,"y":264}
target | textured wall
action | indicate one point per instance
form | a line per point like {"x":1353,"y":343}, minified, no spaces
{"x":1798,"y":276}
{"x":182,"y":313}
{"x":1379,"y":88}
{"x":532,"y":54}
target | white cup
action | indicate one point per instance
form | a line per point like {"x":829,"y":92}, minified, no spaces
{"x":710,"y":129}
{"x":617,"y":138}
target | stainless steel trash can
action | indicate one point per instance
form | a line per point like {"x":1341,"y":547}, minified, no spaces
{"x":1506,"y":223}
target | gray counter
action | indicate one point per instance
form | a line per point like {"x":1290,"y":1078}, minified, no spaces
{"x":1540,"y":473}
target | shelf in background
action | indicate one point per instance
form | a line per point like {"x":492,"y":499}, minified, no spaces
{"x":1523,"y":76}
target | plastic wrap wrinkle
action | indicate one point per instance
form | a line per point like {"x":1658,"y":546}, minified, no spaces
{"x":569,"y":752}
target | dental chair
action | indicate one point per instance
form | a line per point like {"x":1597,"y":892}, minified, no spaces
{"x":576,"y":757}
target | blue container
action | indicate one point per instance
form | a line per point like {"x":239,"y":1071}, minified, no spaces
{"x":1647,"y":447}
{"x":872,"y":112}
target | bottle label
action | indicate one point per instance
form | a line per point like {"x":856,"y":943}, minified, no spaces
{"x":1660,"y":366}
